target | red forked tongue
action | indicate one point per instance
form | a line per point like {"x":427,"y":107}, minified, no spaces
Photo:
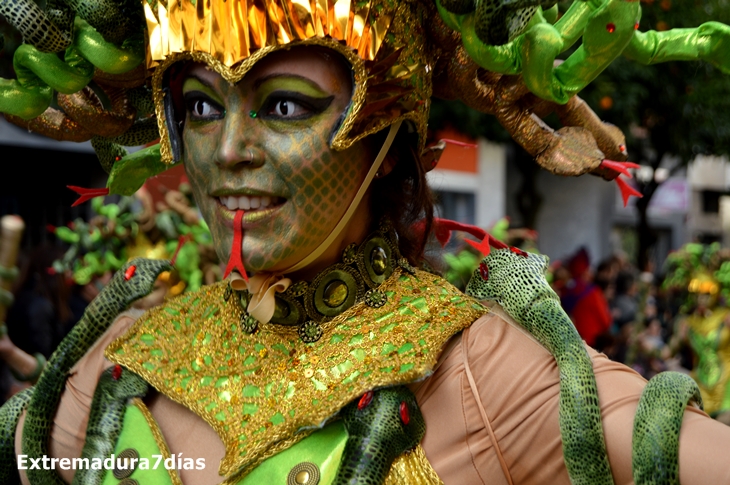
{"x":235,"y":261}
{"x":442,"y":229}
{"x":180,"y":243}
{"x":87,"y":194}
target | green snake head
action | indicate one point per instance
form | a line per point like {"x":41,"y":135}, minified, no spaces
{"x":381,"y":425}
{"x":136,"y":278}
{"x":513,"y":278}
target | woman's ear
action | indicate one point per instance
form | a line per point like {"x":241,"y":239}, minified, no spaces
{"x":387,"y":166}
{"x":431,"y":155}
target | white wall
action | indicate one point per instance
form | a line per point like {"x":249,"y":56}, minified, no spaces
{"x":488,"y":185}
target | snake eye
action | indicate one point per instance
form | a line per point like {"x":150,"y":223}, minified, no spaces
{"x":484,"y":271}
{"x":130,"y":272}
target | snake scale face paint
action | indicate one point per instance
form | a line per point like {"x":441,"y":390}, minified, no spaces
{"x":263,"y":146}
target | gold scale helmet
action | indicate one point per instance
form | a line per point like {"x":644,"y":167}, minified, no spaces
{"x":383,"y":40}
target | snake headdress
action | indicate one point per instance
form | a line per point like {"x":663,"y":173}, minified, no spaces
{"x":106,"y":62}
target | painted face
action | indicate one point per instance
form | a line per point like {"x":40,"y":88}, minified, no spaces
{"x":262,"y":145}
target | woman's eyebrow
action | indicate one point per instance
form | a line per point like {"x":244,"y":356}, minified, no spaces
{"x":258,"y":82}
{"x":208,"y":84}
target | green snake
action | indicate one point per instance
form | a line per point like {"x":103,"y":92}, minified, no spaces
{"x":102,"y":35}
{"x":133,"y":281}
{"x":516,"y":280}
{"x":518,"y":37}
{"x":381,"y":426}
{"x":9,"y":416}
{"x":656,"y":427}
{"x":115,"y":388}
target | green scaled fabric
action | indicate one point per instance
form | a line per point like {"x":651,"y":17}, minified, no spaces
{"x":9,"y":416}
{"x":655,"y":440}
{"x":106,"y":419}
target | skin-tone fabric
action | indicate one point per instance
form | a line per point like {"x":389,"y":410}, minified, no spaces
{"x":515,"y":381}
{"x":494,"y":384}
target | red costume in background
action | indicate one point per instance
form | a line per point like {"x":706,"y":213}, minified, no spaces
{"x":584,"y":302}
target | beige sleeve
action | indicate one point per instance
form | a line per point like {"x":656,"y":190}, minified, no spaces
{"x":491,"y":413}
{"x":69,"y":426}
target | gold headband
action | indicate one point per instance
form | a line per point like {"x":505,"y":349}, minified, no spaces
{"x":383,"y":40}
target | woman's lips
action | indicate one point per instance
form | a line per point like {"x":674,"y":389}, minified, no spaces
{"x":250,"y":202}
{"x":255,"y":208}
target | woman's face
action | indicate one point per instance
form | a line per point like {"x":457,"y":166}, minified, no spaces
{"x":262,"y":145}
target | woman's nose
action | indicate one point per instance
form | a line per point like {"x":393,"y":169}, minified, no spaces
{"x":236,"y":147}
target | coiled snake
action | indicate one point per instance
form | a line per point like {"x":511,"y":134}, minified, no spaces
{"x":133,"y":281}
{"x":516,"y":280}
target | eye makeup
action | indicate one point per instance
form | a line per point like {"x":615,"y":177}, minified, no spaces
{"x":310,"y":106}
{"x":201,"y":102}
{"x":271,"y":90}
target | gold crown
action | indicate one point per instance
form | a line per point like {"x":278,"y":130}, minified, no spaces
{"x":384,"y":41}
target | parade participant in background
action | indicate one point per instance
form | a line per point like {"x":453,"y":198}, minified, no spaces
{"x":327,"y":353}
{"x":584,"y":301}
{"x":701,"y":276}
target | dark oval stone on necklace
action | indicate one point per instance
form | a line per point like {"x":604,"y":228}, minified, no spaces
{"x":379,"y":260}
{"x":281,"y":310}
{"x":335,"y":293}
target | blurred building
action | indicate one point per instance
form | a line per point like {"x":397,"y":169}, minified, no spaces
{"x":480,"y":185}
{"x":470,"y":182}
{"x":709,"y":182}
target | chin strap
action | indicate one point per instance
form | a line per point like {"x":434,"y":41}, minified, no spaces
{"x":263,"y":286}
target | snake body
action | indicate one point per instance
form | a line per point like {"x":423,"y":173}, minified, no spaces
{"x":105,"y":419}
{"x":126,"y":286}
{"x":656,"y":427}
{"x":34,"y":25}
{"x":516,"y":280}
{"x":381,"y":426}
{"x":9,"y":415}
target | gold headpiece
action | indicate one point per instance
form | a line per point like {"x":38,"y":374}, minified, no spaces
{"x":382,"y":39}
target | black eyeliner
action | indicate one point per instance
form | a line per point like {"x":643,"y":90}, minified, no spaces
{"x":316,"y":105}
{"x":191,"y":96}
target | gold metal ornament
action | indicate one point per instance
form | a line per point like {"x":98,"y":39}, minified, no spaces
{"x":305,"y":473}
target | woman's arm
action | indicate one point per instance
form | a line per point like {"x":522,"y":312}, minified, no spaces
{"x":69,"y":425}
{"x":491,"y":413}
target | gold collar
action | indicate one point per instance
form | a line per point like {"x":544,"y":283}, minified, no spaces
{"x":263,"y":392}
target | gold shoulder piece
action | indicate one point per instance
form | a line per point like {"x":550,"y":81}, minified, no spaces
{"x":260,"y":391}
{"x":412,"y":468}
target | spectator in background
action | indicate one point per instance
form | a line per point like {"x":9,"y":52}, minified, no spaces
{"x":41,"y":314}
{"x":584,"y":301}
{"x":624,"y":309}
{"x":624,"y":306}
{"x":46,"y":307}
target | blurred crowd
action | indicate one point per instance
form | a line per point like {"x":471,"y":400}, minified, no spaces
{"x":679,"y":322}
{"x":623,"y":313}
{"x":673,"y":319}
{"x":46,"y":306}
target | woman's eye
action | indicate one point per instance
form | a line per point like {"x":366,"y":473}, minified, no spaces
{"x":286,"y":108}
{"x":203,"y":109}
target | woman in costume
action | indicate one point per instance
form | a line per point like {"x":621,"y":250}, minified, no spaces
{"x":327,"y":352}
{"x":699,"y":275}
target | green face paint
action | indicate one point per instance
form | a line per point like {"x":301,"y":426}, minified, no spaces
{"x":263,"y":146}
